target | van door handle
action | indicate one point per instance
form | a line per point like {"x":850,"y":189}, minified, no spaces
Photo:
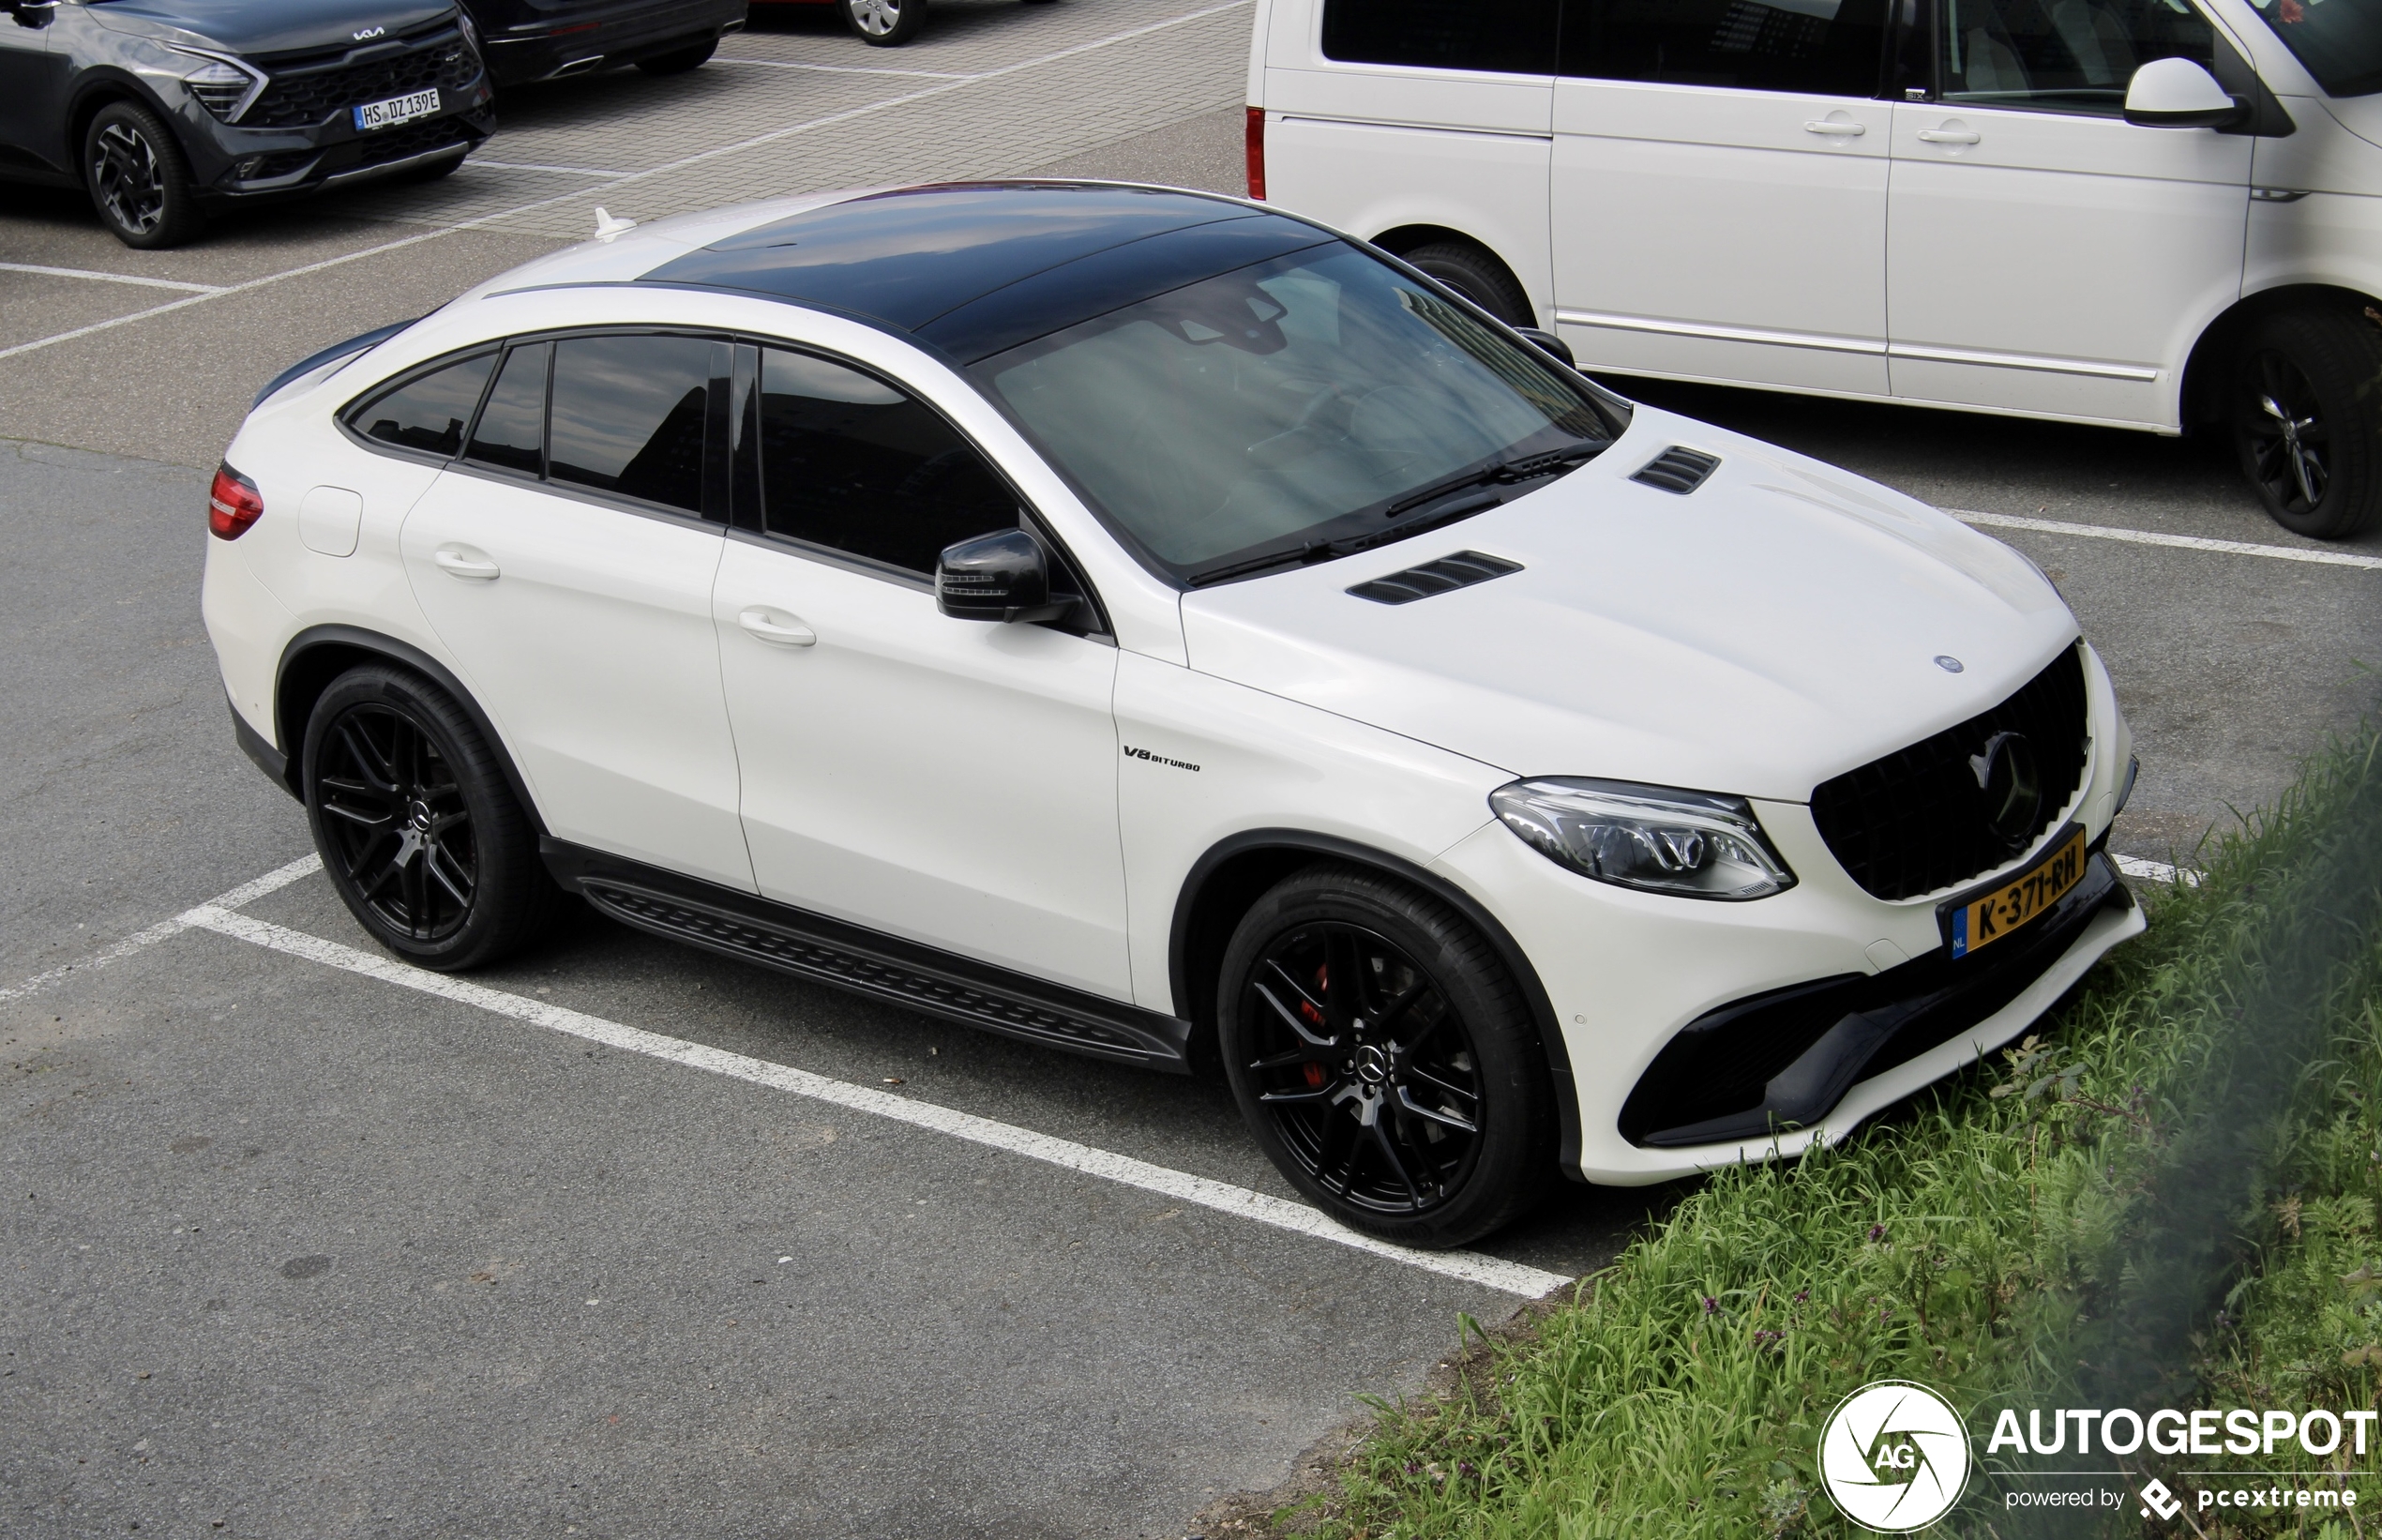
{"x":769,"y":626}
{"x":1846,"y":130}
{"x":465,"y":563}
{"x":1949,"y":136}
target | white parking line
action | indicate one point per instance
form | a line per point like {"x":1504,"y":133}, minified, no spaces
{"x":246,"y":893}
{"x":697,"y":158}
{"x":1280,"y":1213}
{"x":2180,"y":542}
{"x":854,"y":69}
{"x":110,"y":278}
{"x":2156,"y":871}
{"x":524,"y":165}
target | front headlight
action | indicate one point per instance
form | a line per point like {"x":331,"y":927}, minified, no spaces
{"x":224,"y":85}
{"x":1692,"y":844}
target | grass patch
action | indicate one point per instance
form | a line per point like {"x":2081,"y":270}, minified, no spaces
{"x":2071,"y":1222}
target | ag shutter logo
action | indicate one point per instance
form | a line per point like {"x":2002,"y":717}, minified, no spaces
{"x":1894,"y":1455}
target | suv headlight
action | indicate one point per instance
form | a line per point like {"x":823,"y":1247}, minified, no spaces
{"x":223,"y":85}
{"x":1692,"y":844}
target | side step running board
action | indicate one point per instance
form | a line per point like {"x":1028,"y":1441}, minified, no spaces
{"x":865,"y":962}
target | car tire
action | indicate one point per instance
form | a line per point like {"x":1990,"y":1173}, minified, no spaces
{"x":682,"y":61}
{"x":884,"y":23}
{"x":1410,"y":1099}
{"x":139,"y":181}
{"x":2306,"y":414}
{"x":418,"y":829}
{"x":1477,"y":275}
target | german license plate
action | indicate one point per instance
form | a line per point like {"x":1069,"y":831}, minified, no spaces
{"x":396,"y":110}
{"x":1982,"y":920}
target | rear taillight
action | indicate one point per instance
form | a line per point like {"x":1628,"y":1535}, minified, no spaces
{"x":1257,"y":153}
{"x":232,"y":504}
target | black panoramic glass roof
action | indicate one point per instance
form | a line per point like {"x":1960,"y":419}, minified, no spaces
{"x":977,"y":268}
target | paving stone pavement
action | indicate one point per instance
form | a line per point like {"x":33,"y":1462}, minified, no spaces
{"x":990,"y":90}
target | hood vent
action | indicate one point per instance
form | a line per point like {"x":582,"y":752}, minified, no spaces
{"x":1678,"y":470}
{"x":1461,"y":570}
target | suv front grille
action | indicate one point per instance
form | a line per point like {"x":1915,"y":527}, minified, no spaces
{"x":1915,"y":821}
{"x":303,"y":97}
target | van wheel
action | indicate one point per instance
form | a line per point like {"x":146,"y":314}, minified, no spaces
{"x":419,"y":831}
{"x":1384,"y":1058}
{"x":1478,"y":276}
{"x":2307,"y":419}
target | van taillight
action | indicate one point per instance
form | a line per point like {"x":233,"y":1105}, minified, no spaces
{"x":1257,"y":153}
{"x":232,"y":504}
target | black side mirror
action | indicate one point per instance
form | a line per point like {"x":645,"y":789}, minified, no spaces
{"x":34,"y":13}
{"x":1002,"y":575}
{"x":1547,"y":342}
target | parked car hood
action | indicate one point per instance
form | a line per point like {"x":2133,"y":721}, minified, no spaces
{"x":1777,"y":626}
{"x":266,"y":26}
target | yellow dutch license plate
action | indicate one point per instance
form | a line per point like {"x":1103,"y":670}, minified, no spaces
{"x":1984,"y":920}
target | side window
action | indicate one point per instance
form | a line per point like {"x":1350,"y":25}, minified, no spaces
{"x":2063,"y":55}
{"x":1826,"y":48}
{"x":1515,"y":37}
{"x":429,"y":413}
{"x":628,"y":416}
{"x":511,"y":433}
{"x":849,"y":462}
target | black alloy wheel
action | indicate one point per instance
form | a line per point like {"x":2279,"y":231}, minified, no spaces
{"x":417,"y":829}
{"x":1384,"y":1058}
{"x":884,"y":23}
{"x":138,"y":179}
{"x":2307,"y":419}
{"x":681,"y":61}
{"x":1478,"y":277}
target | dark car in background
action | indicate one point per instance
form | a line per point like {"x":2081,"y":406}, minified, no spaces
{"x":167,"y":111}
{"x":546,"y":39}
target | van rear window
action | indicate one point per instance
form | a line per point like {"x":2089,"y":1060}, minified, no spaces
{"x":1513,"y":38}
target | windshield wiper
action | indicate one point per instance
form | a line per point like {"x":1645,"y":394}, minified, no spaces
{"x":1505,"y":472}
{"x":1523,"y":468}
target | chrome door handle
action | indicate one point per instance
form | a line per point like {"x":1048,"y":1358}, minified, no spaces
{"x":786,"y":631}
{"x":465,"y":563}
{"x":1848,"y":131}
{"x":1949,"y":136}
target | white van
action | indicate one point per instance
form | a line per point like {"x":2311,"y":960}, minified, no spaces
{"x":2153,"y":214}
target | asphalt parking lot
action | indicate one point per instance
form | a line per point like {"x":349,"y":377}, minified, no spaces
{"x":632,"y":1241}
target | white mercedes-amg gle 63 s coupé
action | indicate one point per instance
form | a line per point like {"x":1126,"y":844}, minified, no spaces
{"x":1163,"y":629}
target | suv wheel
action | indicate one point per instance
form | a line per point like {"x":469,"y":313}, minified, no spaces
{"x":138,"y":179}
{"x":1384,"y":1058}
{"x":682,"y":61}
{"x":886,"y":23}
{"x":416,"y":826}
{"x":1477,"y":275}
{"x":2307,"y":419}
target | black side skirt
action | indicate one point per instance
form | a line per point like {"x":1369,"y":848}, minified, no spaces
{"x":868,"y":962}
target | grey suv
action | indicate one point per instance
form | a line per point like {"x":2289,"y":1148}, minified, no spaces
{"x":165,"y":110}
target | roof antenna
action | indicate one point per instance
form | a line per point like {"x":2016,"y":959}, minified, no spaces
{"x":607,"y":227}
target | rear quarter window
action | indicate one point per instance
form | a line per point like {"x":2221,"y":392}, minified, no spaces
{"x":430,"y":413}
{"x":1513,"y":39}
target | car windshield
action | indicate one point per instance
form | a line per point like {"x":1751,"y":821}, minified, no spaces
{"x":2340,"y":41}
{"x":1299,"y":407}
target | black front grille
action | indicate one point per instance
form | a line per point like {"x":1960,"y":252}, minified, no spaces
{"x":1916,"y":821}
{"x":303,"y":97}
{"x":412,"y":139}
